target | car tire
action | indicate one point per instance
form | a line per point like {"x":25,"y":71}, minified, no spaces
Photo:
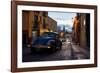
{"x":60,"y":45}
{"x":32,"y":50}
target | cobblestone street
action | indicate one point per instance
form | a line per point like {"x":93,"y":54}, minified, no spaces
{"x":69,"y":51}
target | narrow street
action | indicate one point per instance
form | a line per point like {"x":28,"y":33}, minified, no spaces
{"x":69,"y":51}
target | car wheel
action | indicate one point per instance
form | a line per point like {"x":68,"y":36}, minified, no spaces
{"x":31,"y":50}
{"x":53,"y":48}
{"x":59,"y":44}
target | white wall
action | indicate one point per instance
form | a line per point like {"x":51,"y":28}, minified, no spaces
{"x":5,"y":32}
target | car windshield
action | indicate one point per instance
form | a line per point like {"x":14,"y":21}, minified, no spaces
{"x":49,"y":34}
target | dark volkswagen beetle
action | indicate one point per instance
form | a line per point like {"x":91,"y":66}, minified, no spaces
{"x":48,"y":41}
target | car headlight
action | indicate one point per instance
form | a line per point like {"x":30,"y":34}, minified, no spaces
{"x":49,"y":46}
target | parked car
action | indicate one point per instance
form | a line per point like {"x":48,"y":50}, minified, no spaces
{"x":48,"y":41}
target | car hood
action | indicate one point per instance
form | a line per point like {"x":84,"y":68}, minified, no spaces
{"x":42,"y":40}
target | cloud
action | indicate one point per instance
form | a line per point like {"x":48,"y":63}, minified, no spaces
{"x":62,"y":18}
{"x":64,"y":21}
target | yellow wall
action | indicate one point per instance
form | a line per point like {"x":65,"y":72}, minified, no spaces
{"x":31,"y":22}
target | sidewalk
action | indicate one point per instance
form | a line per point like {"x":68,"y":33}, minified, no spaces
{"x":80,"y":53}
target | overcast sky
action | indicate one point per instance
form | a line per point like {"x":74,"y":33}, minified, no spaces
{"x":62,"y":18}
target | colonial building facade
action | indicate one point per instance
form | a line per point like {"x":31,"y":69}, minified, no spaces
{"x":35,"y":23}
{"x":83,"y":29}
